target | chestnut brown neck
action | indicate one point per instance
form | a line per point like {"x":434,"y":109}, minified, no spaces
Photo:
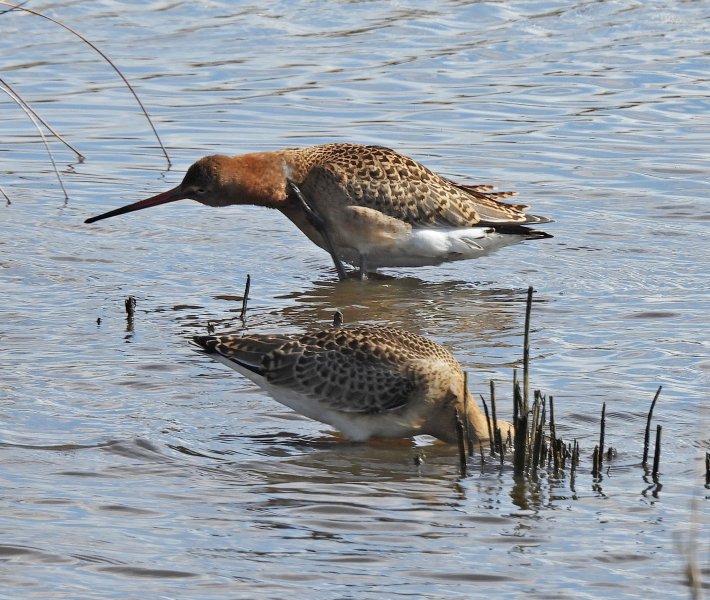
{"x":256,"y":178}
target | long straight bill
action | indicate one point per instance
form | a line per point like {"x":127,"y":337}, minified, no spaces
{"x":170,"y":196}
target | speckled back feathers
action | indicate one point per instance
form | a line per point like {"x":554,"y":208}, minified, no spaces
{"x":359,"y":369}
{"x":384,"y":180}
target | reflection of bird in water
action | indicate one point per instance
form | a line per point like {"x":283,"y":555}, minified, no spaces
{"x":453,"y":308}
{"x":367,"y":205}
{"x":367,"y":382}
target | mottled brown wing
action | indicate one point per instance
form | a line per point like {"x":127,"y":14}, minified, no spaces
{"x":341,"y":378}
{"x":396,"y":185}
{"x":350,"y":370}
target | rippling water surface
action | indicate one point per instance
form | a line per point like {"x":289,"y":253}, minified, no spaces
{"x":134,"y":467}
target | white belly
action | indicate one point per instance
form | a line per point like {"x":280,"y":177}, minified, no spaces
{"x":422,"y":247}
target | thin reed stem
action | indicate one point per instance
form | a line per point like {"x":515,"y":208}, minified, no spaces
{"x":467,"y":421}
{"x":498,"y":443}
{"x":491,"y":439}
{"x":24,"y":103}
{"x":245,"y":298}
{"x":106,"y":58}
{"x":41,"y":133}
{"x":458,"y":423}
{"x":520,"y":444}
{"x":526,"y":349}
{"x":657,"y":453}
{"x":602,"y":428}
{"x":647,"y":436}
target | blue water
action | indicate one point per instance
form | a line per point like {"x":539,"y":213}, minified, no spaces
{"x":134,"y":467}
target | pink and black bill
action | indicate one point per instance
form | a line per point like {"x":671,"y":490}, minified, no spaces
{"x":170,"y":196}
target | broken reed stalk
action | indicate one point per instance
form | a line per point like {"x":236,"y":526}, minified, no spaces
{"x":337,"y":318}
{"x":24,"y":103}
{"x":538,"y":413}
{"x":17,"y":100}
{"x":573,"y":461}
{"x":130,"y":304}
{"x":707,"y":468}
{"x":245,"y":298}
{"x":602,"y":427}
{"x":491,"y":440}
{"x":657,"y":453}
{"x":526,"y":348}
{"x":7,"y":198}
{"x":106,"y":58}
{"x":539,"y":433}
{"x":553,"y":429}
{"x":467,"y":422}
{"x":646,"y":438}
{"x":537,"y":447}
{"x":458,"y":423}
{"x":497,"y":442}
{"x":501,"y":454}
{"x":595,"y":462}
{"x":520,"y":444}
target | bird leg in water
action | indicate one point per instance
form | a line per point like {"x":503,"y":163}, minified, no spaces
{"x":362,"y":274}
{"x":317,"y":221}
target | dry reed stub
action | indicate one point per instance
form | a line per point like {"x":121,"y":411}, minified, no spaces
{"x":531,"y":450}
{"x":657,"y":453}
{"x":707,"y":468}
{"x":488,"y":423}
{"x":574,"y":459}
{"x":602,"y":427}
{"x":647,"y":436}
{"x":595,"y":462}
{"x":467,"y":424}
{"x":497,"y":442}
{"x":538,"y":446}
{"x":520,"y":444}
{"x":535,"y":443}
{"x":245,"y":298}
{"x":463,"y":460}
{"x":526,"y":346}
{"x":130,"y":304}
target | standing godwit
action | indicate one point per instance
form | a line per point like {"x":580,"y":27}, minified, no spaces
{"x":367,"y":382}
{"x":367,"y":205}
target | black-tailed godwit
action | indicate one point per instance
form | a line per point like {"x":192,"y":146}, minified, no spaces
{"x":366,"y":382}
{"x":366,"y":205}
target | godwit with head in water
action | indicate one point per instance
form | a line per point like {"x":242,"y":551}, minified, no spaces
{"x":367,"y":205}
{"x":367,"y":382}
